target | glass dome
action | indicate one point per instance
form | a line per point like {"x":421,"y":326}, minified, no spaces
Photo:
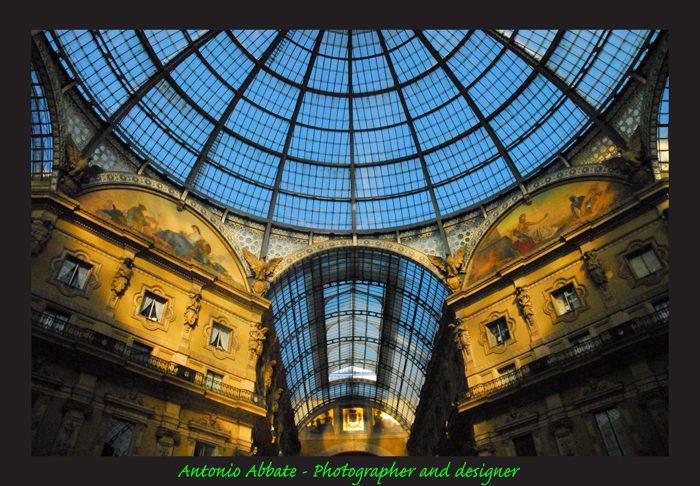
{"x":349,"y":131}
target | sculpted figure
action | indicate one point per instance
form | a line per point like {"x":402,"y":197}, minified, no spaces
{"x":450,"y":267}
{"x":122,"y":277}
{"x":262,"y":270}
{"x":41,"y":232}
{"x":462,"y":337}
{"x":526,"y":306}
{"x":595,"y":269}
{"x":257,"y":338}
{"x":193,"y":308}
{"x":267,"y":374}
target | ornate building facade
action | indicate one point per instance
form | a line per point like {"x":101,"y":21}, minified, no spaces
{"x":185,"y":302}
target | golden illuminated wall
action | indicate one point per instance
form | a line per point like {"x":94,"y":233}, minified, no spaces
{"x":571,"y":325}
{"x":192,"y":392}
{"x":352,"y":427}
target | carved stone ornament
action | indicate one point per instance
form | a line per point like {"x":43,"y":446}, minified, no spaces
{"x":221,"y":350}
{"x":450,"y":267}
{"x":525,"y":305}
{"x":166,"y":432}
{"x":194,"y":305}
{"x":595,"y":270}
{"x":122,"y":278}
{"x":635,"y":247}
{"x":462,"y":338}
{"x":41,"y":234}
{"x":257,"y":340}
{"x":267,"y":375}
{"x":262,"y":269}
{"x":155,"y":322}
{"x":550,"y":308}
{"x":489,"y":341}
{"x":77,"y":170}
{"x":76,"y":287}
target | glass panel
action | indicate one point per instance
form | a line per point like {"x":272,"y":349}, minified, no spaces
{"x":119,"y":437}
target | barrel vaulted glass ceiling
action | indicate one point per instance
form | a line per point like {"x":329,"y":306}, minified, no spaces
{"x":356,"y":323}
{"x":349,"y":131}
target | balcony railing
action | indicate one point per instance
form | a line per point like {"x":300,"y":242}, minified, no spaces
{"x":604,"y":340}
{"x":59,"y":326}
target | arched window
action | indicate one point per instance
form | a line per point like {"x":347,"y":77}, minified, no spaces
{"x":662,"y":130}
{"x":42,"y":137}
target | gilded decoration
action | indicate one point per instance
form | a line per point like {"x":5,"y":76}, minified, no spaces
{"x":224,"y":346}
{"x":551,"y":214}
{"x":155,"y":322}
{"x":489,"y":341}
{"x":77,"y":169}
{"x":554,"y":312}
{"x":80,"y":286}
{"x":450,"y":267}
{"x":636,"y":248}
{"x":262,"y":269}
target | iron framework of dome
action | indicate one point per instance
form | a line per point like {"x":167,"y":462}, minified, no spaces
{"x":350,"y":131}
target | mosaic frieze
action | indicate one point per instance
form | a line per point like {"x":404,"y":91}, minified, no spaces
{"x":428,"y":243}
{"x":281,"y":246}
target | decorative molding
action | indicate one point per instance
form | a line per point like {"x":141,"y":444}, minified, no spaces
{"x":209,"y":426}
{"x":167,"y":432}
{"x":549,"y":307}
{"x":595,"y":390}
{"x":625,"y":271}
{"x":41,"y":233}
{"x":129,"y":405}
{"x":516,"y":418}
{"x":525,"y":306}
{"x":487,"y":340}
{"x":403,"y":250}
{"x":597,"y":273}
{"x":233,"y":345}
{"x":93,"y":281}
{"x":168,"y":314}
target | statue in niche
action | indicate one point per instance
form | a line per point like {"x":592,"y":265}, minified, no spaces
{"x":450,"y":267}
{"x":193,"y":307}
{"x":595,"y":269}
{"x":257,"y":339}
{"x":122,"y":278}
{"x":526,"y":307}
{"x":41,"y":233}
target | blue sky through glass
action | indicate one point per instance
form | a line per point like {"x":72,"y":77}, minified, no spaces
{"x":377,"y":114}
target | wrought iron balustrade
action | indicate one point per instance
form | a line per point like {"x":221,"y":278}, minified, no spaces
{"x":59,"y":326}
{"x":589,"y":347}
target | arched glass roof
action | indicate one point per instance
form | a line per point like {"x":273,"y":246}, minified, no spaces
{"x":356,"y":323}
{"x":349,"y":131}
{"x":42,"y":133}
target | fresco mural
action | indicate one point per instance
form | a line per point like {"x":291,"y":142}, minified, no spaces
{"x":551,"y":213}
{"x":153,"y":216}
